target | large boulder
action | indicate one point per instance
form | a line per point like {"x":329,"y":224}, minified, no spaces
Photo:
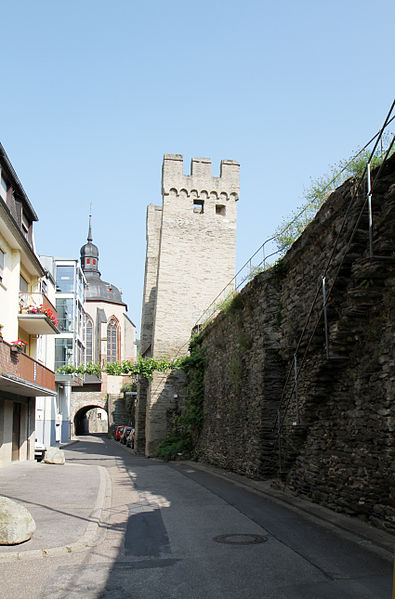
{"x":16,"y":522}
{"x":54,"y":455}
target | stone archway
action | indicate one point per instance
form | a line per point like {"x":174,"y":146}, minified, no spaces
{"x":90,"y":419}
{"x":81,"y":404}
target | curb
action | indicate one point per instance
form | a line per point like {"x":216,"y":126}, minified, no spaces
{"x":367,"y":535}
{"x":94,"y":532}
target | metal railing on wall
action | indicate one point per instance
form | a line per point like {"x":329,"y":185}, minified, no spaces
{"x":290,"y":392}
{"x":272,"y":249}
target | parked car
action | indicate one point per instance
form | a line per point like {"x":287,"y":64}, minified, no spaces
{"x":125,"y":433}
{"x":119,"y":431}
{"x":130,"y":439}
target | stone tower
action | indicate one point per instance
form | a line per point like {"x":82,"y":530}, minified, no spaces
{"x":191,"y":247}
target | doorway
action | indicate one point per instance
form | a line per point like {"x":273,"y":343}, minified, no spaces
{"x":16,"y":432}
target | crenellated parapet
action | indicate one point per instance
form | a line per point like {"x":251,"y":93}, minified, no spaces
{"x":201,"y":181}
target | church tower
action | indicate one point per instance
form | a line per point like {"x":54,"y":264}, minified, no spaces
{"x":191,"y":250}
{"x":90,"y":254}
{"x":110,"y":334}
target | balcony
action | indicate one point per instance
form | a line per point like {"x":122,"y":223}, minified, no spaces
{"x":37,"y":316}
{"x":21,"y":375}
{"x":74,"y":380}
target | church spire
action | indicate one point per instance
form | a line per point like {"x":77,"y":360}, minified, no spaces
{"x":90,"y":253}
{"x":89,"y":238}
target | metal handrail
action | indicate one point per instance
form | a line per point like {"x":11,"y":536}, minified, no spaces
{"x":232,"y":286}
{"x":281,"y":417}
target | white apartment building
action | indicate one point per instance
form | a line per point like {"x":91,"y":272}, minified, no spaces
{"x":27,"y":318}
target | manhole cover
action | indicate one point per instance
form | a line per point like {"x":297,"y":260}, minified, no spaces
{"x":240,"y":539}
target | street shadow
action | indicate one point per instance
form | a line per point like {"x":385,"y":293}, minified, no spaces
{"x":149,"y":565}
{"x":145,"y":542}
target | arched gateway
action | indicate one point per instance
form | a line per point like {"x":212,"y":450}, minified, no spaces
{"x":81,"y":404}
{"x":90,"y":420}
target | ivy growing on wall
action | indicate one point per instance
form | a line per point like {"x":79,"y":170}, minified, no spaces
{"x":188,"y":424}
{"x":143,"y":367}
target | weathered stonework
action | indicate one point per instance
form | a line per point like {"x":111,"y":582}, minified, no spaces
{"x":197,"y":249}
{"x":154,"y":218}
{"x":83,"y":401}
{"x":338,"y":448}
{"x":191,"y":244}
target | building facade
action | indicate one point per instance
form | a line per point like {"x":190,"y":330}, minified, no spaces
{"x":191,"y":249}
{"x":27,"y":317}
{"x":53,"y":422}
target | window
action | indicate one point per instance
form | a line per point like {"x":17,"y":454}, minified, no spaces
{"x":89,"y":341}
{"x":63,"y":352}
{"x":79,"y":353}
{"x":65,"y":279}
{"x":198,"y":206}
{"x":64,"y":308}
{"x":23,"y":285}
{"x":1,"y":264}
{"x":4,"y":184}
{"x":112,"y":340}
{"x":80,"y":287}
{"x":5,"y":190}
{"x":220,"y":209}
{"x":25,"y":226}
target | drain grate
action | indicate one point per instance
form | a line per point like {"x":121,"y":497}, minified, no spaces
{"x":240,"y":539}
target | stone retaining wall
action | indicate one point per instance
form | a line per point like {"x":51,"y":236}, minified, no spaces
{"x":338,"y":448}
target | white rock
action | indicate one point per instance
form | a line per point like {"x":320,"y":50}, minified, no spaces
{"x":54,"y":455}
{"x":16,"y":522}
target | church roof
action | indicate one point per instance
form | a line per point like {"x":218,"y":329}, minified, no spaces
{"x":101,"y":291}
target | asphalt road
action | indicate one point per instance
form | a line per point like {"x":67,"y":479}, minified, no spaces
{"x":176,"y":532}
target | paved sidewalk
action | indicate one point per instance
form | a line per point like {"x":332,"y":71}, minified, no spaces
{"x":66,"y":502}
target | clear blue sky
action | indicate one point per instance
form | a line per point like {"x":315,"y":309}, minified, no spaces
{"x":94,"y":93}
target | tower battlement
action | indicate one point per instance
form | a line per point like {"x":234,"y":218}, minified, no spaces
{"x":201,"y":177}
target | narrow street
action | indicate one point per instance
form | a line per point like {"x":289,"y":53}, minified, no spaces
{"x":178,"y":532}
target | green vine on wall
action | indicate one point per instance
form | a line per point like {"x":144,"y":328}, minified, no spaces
{"x":142,"y":367}
{"x":189,"y":422}
{"x":320,"y":188}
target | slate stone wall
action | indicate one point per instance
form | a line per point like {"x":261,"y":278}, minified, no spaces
{"x":336,"y":446}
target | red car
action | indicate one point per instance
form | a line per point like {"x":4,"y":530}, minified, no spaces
{"x":119,"y":431}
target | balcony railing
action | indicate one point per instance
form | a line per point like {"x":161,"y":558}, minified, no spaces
{"x":35,"y":299}
{"x":37,"y":316}
{"x":22,"y":375}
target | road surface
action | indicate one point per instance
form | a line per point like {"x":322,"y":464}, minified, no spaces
{"x":176,"y":532}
